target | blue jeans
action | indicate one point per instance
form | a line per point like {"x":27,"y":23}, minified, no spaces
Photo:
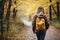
{"x":41,"y":35}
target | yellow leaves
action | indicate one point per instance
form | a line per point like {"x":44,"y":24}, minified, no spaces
{"x":30,"y":6}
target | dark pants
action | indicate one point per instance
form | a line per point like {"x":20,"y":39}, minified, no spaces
{"x":41,"y":35}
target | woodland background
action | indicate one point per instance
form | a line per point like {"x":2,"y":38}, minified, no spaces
{"x":12,"y":12}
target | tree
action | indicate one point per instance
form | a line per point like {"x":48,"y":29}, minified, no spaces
{"x":2,"y":2}
{"x":58,"y":11}
{"x":14,"y":11}
{"x":50,"y":12}
{"x":8,"y":14}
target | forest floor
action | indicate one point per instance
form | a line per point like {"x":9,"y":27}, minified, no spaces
{"x":27,"y":34}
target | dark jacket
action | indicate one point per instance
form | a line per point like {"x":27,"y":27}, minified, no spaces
{"x":34,"y":22}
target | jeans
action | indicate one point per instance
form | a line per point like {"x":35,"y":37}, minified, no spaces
{"x":41,"y":35}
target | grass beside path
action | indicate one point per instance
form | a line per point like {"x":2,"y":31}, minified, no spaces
{"x":55,"y":23}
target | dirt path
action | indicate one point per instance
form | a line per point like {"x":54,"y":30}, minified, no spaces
{"x":27,"y":34}
{"x":52,"y":34}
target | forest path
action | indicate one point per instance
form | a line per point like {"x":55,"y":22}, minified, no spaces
{"x":27,"y":34}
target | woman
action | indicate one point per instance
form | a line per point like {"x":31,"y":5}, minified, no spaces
{"x":40,"y":34}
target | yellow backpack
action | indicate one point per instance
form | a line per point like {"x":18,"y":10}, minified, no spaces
{"x":40,"y":24}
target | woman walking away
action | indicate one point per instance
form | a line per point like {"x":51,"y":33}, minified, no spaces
{"x":40,"y":24}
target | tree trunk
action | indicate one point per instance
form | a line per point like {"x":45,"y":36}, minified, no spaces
{"x":2,"y":2}
{"x":8,"y":14}
{"x":50,"y":12}
{"x":58,"y":11}
{"x":14,"y":13}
